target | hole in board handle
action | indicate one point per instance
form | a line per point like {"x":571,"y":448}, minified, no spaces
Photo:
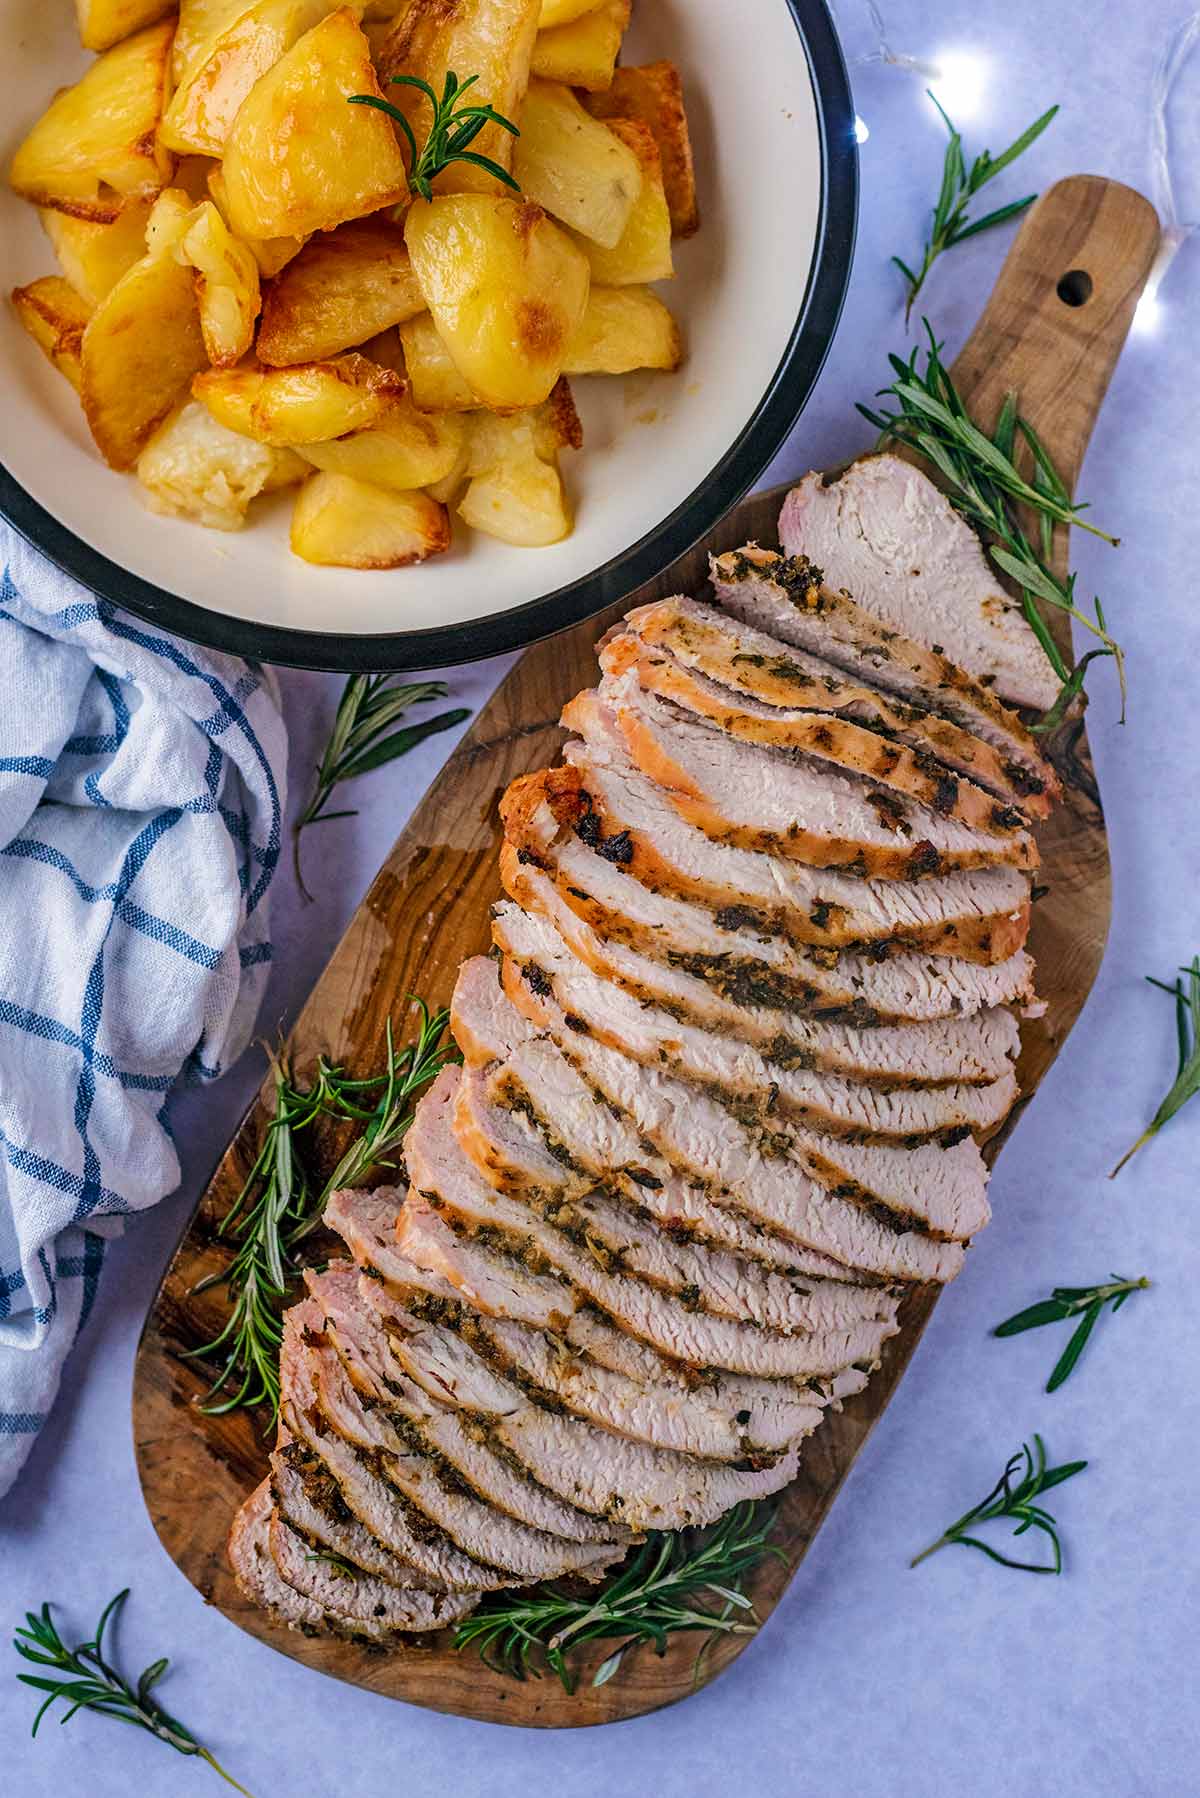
{"x":1075,"y":288}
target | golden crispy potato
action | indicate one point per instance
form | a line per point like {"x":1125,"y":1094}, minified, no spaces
{"x":583,"y":53}
{"x":433,"y":378}
{"x":345,"y":286}
{"x":307,"y":404}
{"x":506,"y":291}
{"x":226,"y":285}
{"x":405,"y":449}
{"x":140,"y":350}
{"x":96,"y":145}
{"x":299,"y":158}
{"x":201,"y":23}
{"x":270,"y":253}
{"x":623,"y":328}
{"x":520,"y":501}
{"x":103,"y":23}
{"x":204,"y":106}
{"x":94,"y":257}
{"x":514,"y":490}
{"x":644,"y":250}
{"x":195,"y":468}
{"x":653,"y":94}
{"x":169,"y":218}
{"x":574,"y":166}
{"x":343,"y":523}
{"x":561,"y":12}
{"x":386,"y":349}
{"x":489,"y":38}
{"x":55,"y":317}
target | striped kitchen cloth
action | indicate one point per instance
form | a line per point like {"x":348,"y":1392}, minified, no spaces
{"x":141,"y":802}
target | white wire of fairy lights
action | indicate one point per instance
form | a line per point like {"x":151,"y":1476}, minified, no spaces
{"x":958,"y":77}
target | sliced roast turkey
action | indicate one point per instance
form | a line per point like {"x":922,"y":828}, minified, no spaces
{"x":600,"y":801}
{"x":900,"y":1019}
{"x":308,"y":1497}
{"x":789,"y":805}
{"x":261,"y":1583}
{"x":358,"y":1598}
{"x":703,"y":637}
{"x":783,"y":596}
{"x":914,"y":774}
{"x":887,"y":534}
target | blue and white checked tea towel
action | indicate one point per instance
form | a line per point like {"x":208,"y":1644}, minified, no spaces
{"x":141,"y":797}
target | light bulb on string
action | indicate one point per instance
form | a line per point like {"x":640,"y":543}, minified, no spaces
{"x":959,"y":78}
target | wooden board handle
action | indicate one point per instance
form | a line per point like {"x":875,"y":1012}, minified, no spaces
{"x":1060,"y":313}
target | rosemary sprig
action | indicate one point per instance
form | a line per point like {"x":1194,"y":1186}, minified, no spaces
{"x":88,"y":1682}
{"x":452,"y":129}
{"x":1084,"y":1302}
{"x":985,"y":485}
{"x":950,"y":224}
{"x":1187,"y":1078}
{"x":1007,"y":1499}
{"x":653,"y":1596}
{"x":359,"y":740}
{"x":280,"y":1204}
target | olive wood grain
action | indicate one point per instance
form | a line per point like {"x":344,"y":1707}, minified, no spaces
{"x":428,"y":909}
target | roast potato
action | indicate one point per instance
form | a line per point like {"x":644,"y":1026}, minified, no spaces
{"x":583,"y":52}
{"x":514,"y":489}
{"x":55,"y":317}
{"x":574,"y":166}
{"x":201,"y":113}
{"x":96,"y":146}
{"x":345,"y":523}
{"x":489,"y":38}
{"x":405,"y":449}
{"x":561,"y":12}
{"x":623,"y":328}
{"x":93,"y":257}
{"x":200,"y":24}
{"x":643,"y":252}
{"x":103,"y":23}
{"x":299,"y":159}
{"x":343,"y":287}
{"x":226,"y":285}
{"x":270,"y":253}
{"x":653,"y":94}
{"x":193,"y":467}
{"x":506,"y":290}
{"x":306,"y":404}
{"x":433,"y":377}
{"x":140,"y":350}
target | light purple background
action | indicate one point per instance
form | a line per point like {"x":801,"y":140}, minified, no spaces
{"x":872,"y":1680}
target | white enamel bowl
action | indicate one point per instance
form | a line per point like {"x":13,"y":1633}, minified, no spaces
{"x":758,"y":292}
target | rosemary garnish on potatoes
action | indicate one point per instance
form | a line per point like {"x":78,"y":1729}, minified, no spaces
{"x":280,"y":1203}
{"x":452,"y":131}
{"x":1014,"y":1498}
{"x":1083,"y":1302}
{"x":1187,"y":1078}
{"x":667,"y":1585}
{"x":950,"y":224}
{"x":359,"y":741}
{"x":87,"y":1681}
{"x":983,"y":482}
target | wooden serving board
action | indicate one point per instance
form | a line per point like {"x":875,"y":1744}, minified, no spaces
{"x":428,"y":909}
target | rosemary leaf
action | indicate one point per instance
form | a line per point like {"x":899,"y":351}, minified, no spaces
{"x":1083,"y":1302}
{"x":1014,"y":1499}
{"x":1187,"y":1078}
{"x":359,"y":740}
{"x":949,"y":224}
{"x":452,"y":128}
{"x":656,"y":1594}
{"x":86,"y":1681}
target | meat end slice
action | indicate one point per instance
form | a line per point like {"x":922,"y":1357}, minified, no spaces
{"x":784,"y":596}
{"x":867,"y":754}
{"x":783,"y":805}
{"x":703,"y":637}
{"x":884,"y":532}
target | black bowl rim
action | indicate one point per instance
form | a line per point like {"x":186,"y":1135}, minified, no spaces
{"x":747,"y":457}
